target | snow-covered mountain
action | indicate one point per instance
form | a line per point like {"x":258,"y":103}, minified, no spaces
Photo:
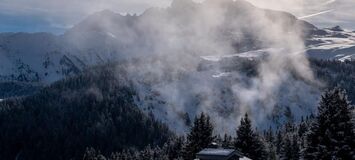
{"x":185,"y":59}
{"x":108,"y":36}
{"x":38,"y":57}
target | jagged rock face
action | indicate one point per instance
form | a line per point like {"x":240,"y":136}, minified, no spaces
{"x":182,"y":18}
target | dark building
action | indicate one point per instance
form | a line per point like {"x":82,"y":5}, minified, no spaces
{"x":220,"y":154}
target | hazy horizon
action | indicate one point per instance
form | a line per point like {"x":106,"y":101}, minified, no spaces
{"x":57,"y":16}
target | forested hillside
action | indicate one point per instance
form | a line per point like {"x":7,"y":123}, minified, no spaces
{"x":329,"y":134}
{"x":336,"y":73}
{"x":94,"y":109}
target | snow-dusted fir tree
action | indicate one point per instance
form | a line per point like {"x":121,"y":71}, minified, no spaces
{"x":227,"y":141}
{"x":278,"y":141}
{"x":290,"y":148}
{"x":270,"y":145}
{"x":331,"y":135}
{"x":248,"y":142}
{"x":200,"y":136}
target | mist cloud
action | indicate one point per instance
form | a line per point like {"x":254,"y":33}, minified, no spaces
{"x":170,"y":44}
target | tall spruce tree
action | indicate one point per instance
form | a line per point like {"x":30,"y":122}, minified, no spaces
{"x":331,"y":135}
{"x":278,"y":142}
{"x":200,"y":136}
{"x":270,"y":146}
{"x":173,"y":147}
{"x":295,"y":148}
{"x":286,"y":149}
{"x":248,"y":142}
{"x":290,"y":148}
{"x":227,"y":141}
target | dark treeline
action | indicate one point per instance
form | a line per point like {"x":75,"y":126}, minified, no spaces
{"x":336,"y":74}
{"x":16,"y":89}
{"x":94,"y":109}
{"x":325,"y":136}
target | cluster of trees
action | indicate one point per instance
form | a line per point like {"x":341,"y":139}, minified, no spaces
{"x":169,"y":151}
{"x":336,"y":74}
{"x":328,"y":135}
{"x":16,"y":89}
{"x":201,"y":136}
{"x":95,"y":109}
{"x":331,"y":134}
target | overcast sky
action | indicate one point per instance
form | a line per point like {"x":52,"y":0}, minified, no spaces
{"x":58,"y":15}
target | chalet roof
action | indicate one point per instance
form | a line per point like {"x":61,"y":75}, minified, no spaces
{"x":216,"y":154}
{"x":220,"y":154}
{"x":216,"y":151}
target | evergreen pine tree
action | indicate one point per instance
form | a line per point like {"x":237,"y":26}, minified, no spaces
{"x":199,"y":137}
{"x":301,"y":132}
{"x":278,"y":142}
{"x":187,"y":119}
{"x":302,"y":128}
{"x":173,"y":148}
{"x":92,"y":154}
{"x":331,"y":135}
{"x":270,"y":146}
{"x":295,"y":148}
{"x":286,"y":149}
{"x":248,"y":142}
{"x":227,"y":141}
{"x":290,"y":147}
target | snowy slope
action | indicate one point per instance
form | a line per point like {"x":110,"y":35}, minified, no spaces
{"x":169,"y":86}
{"x":216,"y":90}
{"x":37,"y":57}
{"x":331,"y":44}
{"x":335,"y":44}
{"x":43,"y":57}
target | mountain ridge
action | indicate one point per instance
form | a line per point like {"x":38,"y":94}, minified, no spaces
{"x":103,"y":37}
{"x":180,"y":57}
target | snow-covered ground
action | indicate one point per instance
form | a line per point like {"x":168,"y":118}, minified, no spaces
{"x":334,"y":45}
{"x":250,"y":55}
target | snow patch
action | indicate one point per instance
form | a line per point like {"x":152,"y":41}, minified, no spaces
{"x":333,"y":43}
{"x":111,"y":35}
{"x":254,"y":54}
{"x":211,"y":58}
{"x":214,"y":151}
{"x":347,"y":58}
{"x":223,"y":74}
